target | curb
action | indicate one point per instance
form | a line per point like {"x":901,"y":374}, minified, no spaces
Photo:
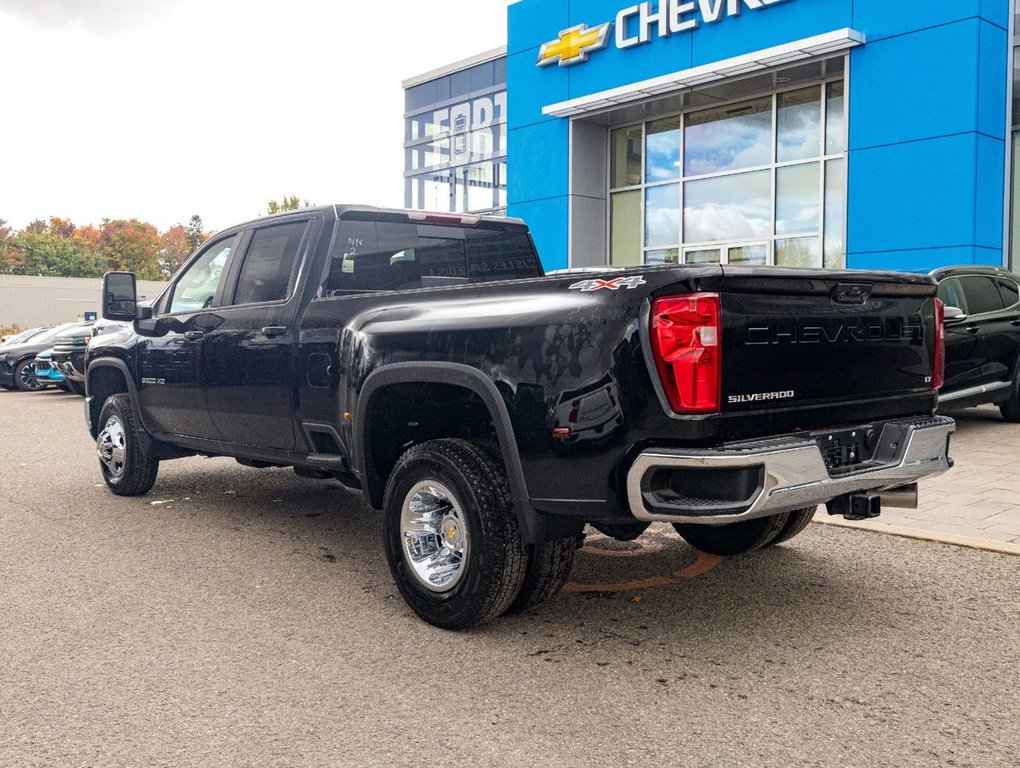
{"x":921,"y":534}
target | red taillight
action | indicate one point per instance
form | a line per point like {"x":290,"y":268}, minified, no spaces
{"x":686,"y":334}
{"x":939,"y":375}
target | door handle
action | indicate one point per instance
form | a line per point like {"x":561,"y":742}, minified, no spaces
{"x":273,"y":330}
{"x":194,"y":335}
{"x":973,"y":329}
{"x":1015,"y":322}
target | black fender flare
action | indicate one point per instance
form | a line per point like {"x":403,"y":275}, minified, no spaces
{"x":469,"y":378}
{"x":121,"y":366}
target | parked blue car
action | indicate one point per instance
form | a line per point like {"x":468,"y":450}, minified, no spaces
{"x":45,"y":373}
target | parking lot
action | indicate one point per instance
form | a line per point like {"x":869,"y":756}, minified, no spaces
{"x":247,"y":617}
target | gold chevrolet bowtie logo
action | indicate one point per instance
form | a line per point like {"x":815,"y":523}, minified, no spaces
{"x":573,"y":45}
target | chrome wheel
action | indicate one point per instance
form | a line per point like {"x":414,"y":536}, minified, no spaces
{"x":434,"y":533}
{"x":111,"y":445}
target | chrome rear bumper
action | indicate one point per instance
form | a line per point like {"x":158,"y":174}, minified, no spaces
{"x":765,"y":477}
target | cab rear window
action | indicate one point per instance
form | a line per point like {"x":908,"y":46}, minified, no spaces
{"x":389,"y":256}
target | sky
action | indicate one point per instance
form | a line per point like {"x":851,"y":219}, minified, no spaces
{"x":161,"y":109}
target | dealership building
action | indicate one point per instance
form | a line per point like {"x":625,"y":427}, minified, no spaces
{"x":857,"y":133}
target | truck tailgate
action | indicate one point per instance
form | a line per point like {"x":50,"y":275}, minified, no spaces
{"x":797,"y":340}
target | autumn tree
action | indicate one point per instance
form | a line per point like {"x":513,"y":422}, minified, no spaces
{"x":174,"y":249}
{"x":132,"y":246}
{"x":287,"y":203}
{"x":11,"y":259}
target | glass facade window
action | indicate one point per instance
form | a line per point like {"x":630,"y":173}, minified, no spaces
{"x":758,"y":181}
{"x":455,"y":141}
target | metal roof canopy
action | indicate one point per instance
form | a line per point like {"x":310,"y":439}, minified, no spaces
{"x":800,"y":50}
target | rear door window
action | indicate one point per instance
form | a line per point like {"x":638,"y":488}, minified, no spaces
{"x":982,"y":295}
{"x":270,"y":264}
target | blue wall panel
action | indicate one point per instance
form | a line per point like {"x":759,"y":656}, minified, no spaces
{"x":886,"y":18}
{"x":914,"y":195}
{"x":895,"y":96}
{"x":532,"y":89}
{"x":996,"y":11}
{"x":531,"y":22}
{"x":546,"y":219}
{"x":769,"y":27}
{"x":991,"y":84}
{"x":538,"y":161}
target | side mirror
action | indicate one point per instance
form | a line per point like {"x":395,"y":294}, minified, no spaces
{"x":954,"y":315}
{"x":120,"y":299}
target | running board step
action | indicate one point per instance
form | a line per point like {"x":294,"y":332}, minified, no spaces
{"x":326,"y":461}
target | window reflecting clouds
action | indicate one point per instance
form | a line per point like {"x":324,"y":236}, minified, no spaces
{"x":800,"y":125}
{"x":797,"y":191}
{"x":662,"y":215}
{"x":735,"y":207}
{"x":835,"y":120}
{"x":729,"y":138}
{"x":663,"y":150}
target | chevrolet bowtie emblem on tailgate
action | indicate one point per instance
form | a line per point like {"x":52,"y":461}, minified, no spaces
{"x":574,"y":45}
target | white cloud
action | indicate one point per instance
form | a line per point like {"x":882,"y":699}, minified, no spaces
{"x":218,"y":105}
{"x":101,"y":16}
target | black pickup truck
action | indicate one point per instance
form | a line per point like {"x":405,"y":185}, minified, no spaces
{"x":491,"y":411}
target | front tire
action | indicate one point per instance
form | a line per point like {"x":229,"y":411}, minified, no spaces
{"x":1010,"y":409}
{"x":125,"y":467}
{"x":451,"y":535}
{"x":733,"y":538}
{"x":25,"y":379}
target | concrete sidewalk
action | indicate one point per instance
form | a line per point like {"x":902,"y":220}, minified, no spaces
{"x":979,"y":498}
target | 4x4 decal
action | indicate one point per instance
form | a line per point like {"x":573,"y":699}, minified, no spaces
{"x":586,"y":286}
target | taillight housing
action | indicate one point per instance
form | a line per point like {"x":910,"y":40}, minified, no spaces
{"x":939,"y":375}
{"x":686,"y":336}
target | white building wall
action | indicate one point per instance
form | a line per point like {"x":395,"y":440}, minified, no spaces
{"x":27,"y":302}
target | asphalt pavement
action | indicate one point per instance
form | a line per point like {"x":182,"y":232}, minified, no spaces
{"x":240,"y":617}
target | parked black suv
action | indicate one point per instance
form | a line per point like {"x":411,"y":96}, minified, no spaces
{"x":982,"y":326}
{"x":69,"y":351}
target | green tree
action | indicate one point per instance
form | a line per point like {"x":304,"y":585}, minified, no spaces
{"x":195,"y":232}
{"x":287,"y":203}
{"x":51,"y":254}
